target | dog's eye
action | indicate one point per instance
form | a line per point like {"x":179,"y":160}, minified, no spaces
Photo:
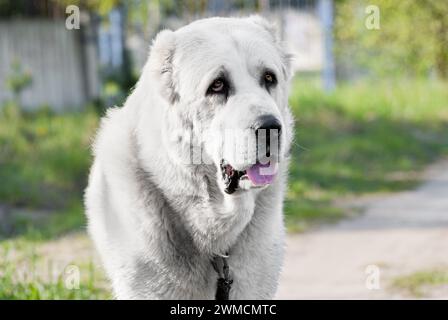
{"x":269,"y":79}
{"x":218,"y":86}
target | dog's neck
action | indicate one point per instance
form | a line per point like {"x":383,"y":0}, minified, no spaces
{"x":213,"y":218}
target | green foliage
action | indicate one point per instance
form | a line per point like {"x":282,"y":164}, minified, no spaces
{"x":18,"y":80}
{"x":416,"y":283}
{"x":412,"y":39}
{"x":44,"y":158}
{"x":41,"y":225}
{"x":27,"y":274}
{"x":39,"y":289}
{"x":366,"y":138}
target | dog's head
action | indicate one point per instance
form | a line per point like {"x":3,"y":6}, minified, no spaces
{"x":225,"y":81}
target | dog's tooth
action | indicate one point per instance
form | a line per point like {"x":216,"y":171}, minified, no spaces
{"x":245,"y":183}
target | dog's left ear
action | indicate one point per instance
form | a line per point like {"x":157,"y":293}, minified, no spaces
{"x":276,"y":38}
{"x":160,"y":64}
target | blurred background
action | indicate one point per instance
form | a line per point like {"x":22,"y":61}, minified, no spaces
{"x":370,"y":98}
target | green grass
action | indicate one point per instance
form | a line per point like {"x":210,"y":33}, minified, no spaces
{"x":39,"y":226}
{"x":43,"y":157}
{"x":39,"y":288}
{"x":360,"y":139}
{"x":32,"y":270}
{"x":44,"y":161}
{"x":416,"y":283}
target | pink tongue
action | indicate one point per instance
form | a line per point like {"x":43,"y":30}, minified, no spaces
{"x":262,"y":174}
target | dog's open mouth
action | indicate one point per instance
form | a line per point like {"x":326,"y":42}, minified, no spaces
{"x":257,"y":175}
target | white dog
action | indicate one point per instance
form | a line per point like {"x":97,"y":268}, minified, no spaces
{"x":185,"y":194}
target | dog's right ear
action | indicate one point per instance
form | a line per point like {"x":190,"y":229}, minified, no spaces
{"x":161,"y":64}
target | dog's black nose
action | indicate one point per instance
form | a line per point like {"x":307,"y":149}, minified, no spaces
{"x":270,"y":127}
{"x":268,"y":122}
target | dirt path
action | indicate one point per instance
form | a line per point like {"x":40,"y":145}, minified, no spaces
{"x":400,"y":234}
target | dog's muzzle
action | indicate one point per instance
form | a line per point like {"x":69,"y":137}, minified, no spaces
{"x":263,"y":171}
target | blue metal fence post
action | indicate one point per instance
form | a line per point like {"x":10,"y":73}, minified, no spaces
{"x":325,"y":11}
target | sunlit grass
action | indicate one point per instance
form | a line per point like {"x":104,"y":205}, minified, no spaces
{"x":44,"y":157}
{"x":44,"y":161}
{"x":416,"y":283}
{"x":35,"y":270}
{"x":359,"y":139}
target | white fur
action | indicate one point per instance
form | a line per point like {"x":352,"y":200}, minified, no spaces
{"x":156,"y":219}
